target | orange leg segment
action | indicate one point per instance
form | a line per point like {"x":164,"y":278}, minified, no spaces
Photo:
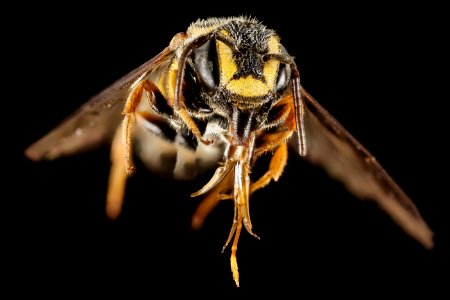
{"x":117,"y":178}
{"x":220,"y":192}
{"x":129,"y":120}
{"x":276,"y":167}
{"x":121,"y":150}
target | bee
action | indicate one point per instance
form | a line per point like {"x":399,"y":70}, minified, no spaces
{"x":220,"y":96}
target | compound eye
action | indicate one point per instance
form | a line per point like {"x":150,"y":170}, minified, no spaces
{"x":206,"y":66}
{"x":284,"y":74}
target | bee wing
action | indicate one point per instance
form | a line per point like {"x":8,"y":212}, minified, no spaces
{"x":95,"y":121}
{"x":332,"y":147}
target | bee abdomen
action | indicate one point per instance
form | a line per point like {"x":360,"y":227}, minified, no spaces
{"x":170,"y":152}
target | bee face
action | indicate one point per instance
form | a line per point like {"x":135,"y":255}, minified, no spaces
{"x":242,"y":71}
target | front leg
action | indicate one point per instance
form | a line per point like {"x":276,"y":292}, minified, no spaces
{"x":158,"y":104}
{"x":276,"y":168}
{"x":122,"y":143}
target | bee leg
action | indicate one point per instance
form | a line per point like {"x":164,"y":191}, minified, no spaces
{"x":190,"y":123}
{"x":179,"y":102}
{"x":133,"y":100}
{"x":117,"y":177}
{"x":272,"y":141}
{"x":233,"y":259}
{"x":220,"y":192}
{"x":276,"y":167}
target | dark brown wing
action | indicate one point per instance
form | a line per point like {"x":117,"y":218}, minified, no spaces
{"x":95,"y":121}
{"x":333,"y":148}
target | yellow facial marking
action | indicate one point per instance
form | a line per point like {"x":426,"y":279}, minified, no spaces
{"x":248,"y":86}
{"x":272,"y":65}
{"x":226,"y":61}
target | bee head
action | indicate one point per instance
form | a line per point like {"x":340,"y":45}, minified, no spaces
{"x":244,"y":69}
{"x":244,"y":59}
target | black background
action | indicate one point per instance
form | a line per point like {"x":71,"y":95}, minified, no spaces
{"x":375,"y":68}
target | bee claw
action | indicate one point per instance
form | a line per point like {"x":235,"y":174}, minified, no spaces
{"x":131,"y":170}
